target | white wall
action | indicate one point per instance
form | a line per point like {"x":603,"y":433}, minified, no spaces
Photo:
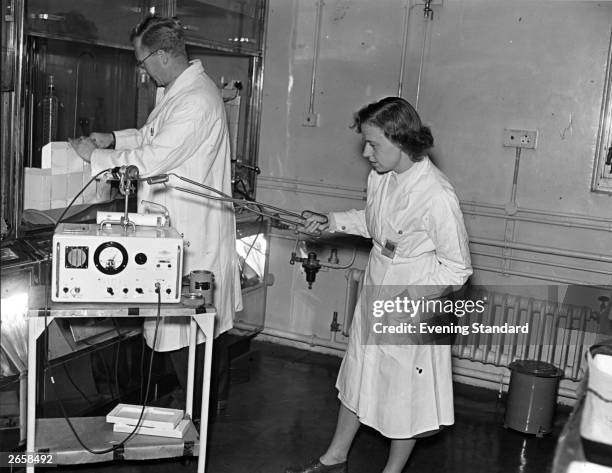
{"x":488,"y":65}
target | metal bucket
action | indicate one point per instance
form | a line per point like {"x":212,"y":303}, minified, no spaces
{"x":532,"y":396}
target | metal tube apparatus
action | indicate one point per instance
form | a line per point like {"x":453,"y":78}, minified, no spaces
{"x":128,"y":175}
{"x":293,"y":219}
{"x":311,"y":264}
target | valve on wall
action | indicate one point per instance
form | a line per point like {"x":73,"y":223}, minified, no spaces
{"x":310,"y":264}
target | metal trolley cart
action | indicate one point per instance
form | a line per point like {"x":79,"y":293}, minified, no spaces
{"x":54,"y":436}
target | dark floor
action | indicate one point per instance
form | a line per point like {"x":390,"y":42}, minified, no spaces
{"x":282,"y":411}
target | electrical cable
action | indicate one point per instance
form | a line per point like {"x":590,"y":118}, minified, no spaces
{"x":144,"y":404}
{"x":142,"y":351}
{"x":59,"y":220}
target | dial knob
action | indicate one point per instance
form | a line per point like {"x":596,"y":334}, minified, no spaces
{"x":76,"y":257}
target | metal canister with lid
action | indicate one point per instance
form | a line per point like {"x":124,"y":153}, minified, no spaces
{"x":532,"y":396}
{"x":202,"y":282}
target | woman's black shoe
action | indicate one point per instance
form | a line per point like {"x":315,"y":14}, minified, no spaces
{"x":318,"y":467}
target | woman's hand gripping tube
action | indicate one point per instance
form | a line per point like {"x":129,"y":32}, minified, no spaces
{"x":314,"y":223}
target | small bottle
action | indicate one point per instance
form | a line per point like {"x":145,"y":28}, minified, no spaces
{"x":50,"y":110}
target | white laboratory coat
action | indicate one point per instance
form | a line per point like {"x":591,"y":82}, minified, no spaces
{"x":404,"y":390}
{"x":186,"y":133}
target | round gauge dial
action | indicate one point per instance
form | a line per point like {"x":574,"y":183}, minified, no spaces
{"x":110,"y":257}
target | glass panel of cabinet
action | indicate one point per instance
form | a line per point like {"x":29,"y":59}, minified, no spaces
{"x":75,"y":88}
{"x":80,"y":74}
{"x":103,"y":22}
{"x":234,"y":25}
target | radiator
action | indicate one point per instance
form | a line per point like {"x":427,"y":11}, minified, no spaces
{"x":558,"y":333}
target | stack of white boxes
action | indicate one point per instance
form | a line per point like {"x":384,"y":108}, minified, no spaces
{"x":61,"y":176}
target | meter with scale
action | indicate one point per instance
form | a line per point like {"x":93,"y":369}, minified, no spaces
{"x":110,"y":258}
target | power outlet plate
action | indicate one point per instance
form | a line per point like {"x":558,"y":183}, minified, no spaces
{"x":516,"y":138}
{"x":311,"y":119}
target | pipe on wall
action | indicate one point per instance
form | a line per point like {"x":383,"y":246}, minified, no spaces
{"x":428,"y":15}
{"x":312,"y":340}
{"x":315,"y":56}
{"x":544,"y":277}
{"x":607,"y":225}
{"x":498,"y":270}
{"x":303,"y":182}
{"x":543,"y":249}
{"x":400,"y":82}
{"x":467,"y":207}
{"x":540,"y":221}
{"x":533,"y":261}
{"x":293,"y":185}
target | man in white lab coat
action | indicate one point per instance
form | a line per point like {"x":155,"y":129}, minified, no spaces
{"x":187,"y":134}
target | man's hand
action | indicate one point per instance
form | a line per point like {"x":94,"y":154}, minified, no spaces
{"x":102,"y":140}
{"x":83,"y":147}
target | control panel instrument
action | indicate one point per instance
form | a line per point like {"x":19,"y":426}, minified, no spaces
{"x":94,"y":263}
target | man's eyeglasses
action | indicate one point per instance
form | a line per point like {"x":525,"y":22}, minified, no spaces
{"x":140,"y":63}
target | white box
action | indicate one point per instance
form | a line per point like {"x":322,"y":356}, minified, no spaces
{"x":61,"y":158}
{"x":74,"y":181}
{"x":177,"y":433}
{"x":154,"y":417}
{"x":37,"y":193}
{"x":59,"y":186}
{"x":36,"y":204}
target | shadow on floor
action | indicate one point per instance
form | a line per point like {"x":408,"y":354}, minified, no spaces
{"x":282,"y":411}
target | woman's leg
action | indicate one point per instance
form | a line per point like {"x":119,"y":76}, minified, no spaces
{"x":398,"y":455}
{"x":346,"y":428}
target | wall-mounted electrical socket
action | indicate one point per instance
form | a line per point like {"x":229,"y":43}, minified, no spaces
{"x":311,"y":119}
{"x":514,"y":138}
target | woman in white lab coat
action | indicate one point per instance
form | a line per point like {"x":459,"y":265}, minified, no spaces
{"x":420,"y":249}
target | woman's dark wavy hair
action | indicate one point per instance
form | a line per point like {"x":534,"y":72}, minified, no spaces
{"x":156,"y":32}
{"x":399,"y":122}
